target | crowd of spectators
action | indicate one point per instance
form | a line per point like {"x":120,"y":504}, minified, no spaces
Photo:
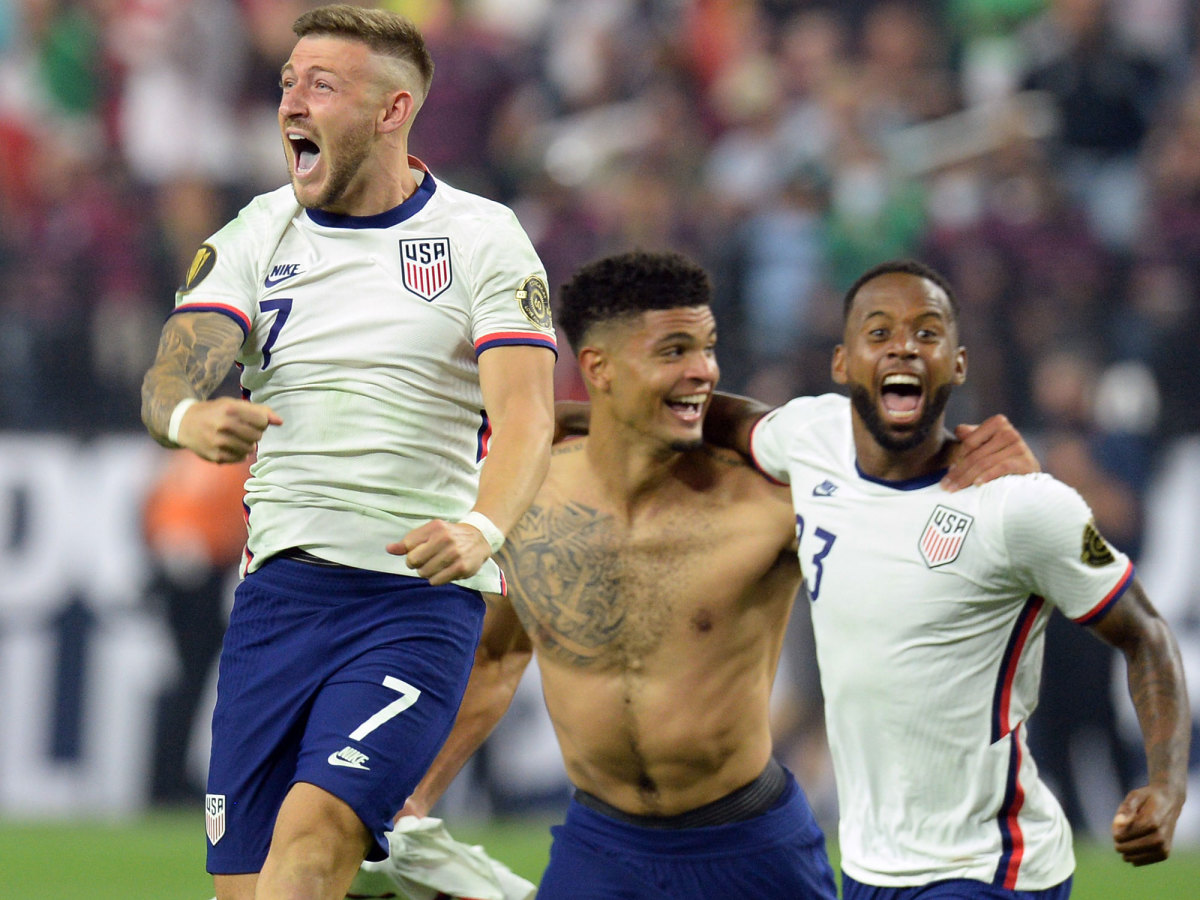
{"x":1045,"y":154}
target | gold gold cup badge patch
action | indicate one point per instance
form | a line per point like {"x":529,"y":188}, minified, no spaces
{"x":1096,"y":552}
{"x":534,"y":297}
{"x":202,"y":264}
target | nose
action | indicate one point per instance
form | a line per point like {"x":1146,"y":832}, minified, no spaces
{"x":291,"y":102}
{"x":903,"y":344}
{"x":703,"y":367}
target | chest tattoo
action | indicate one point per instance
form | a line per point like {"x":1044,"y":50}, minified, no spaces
{"x":578,"y":590}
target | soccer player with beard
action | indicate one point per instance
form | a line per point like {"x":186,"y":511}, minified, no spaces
{"x":396,"y":354}
{"x":654,"y":574}
{"x":929,"y":610}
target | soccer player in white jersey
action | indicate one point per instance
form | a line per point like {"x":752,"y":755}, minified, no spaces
{"x":928,"y":613}
{"x":396,"y":355}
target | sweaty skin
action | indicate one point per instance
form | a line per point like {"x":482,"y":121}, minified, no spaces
{"x":658,"y":627}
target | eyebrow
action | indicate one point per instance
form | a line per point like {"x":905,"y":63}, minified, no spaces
{"x":685,"y":336}
{"x":288,"y":67}
{"x":927,"y":314}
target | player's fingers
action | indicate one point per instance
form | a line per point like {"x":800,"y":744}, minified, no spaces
{"x":1128,"y":821}
{"x":1144,"y":853}
{"x":995,"y":428}
{"x":975,"y":470}
{"x":440,"y":568}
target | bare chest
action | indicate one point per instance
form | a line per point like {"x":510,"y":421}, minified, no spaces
{"x":598,"y":593}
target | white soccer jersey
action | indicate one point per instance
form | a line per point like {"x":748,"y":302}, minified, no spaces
{"x":929,"y":610}
{"x":363,"y":334}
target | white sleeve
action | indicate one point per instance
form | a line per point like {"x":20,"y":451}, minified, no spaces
{"x":511,"y":298}
{"x":223,"y":275}
{"x":1057,"y":551}
{"x":770,"y":441}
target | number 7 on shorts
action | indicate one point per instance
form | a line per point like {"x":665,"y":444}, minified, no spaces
{"x":408,"y":696}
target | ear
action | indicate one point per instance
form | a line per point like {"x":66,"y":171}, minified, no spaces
{"x":400,"y":107}
{"x":595,"y":368}
{"x":838,"y":367}
{"x":960,"y":365}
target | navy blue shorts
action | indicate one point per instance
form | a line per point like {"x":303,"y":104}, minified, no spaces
{"x":779,"y":855}
{"x":342,"y":678}
{"x":951,"y":889}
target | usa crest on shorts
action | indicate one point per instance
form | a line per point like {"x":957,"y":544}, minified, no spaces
{"x":214,"y":816}
{"x":943,"y":536}
{"x":425,"y":266}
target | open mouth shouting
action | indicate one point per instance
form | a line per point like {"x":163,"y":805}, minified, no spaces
{"x":305,"y":153}
{"x":901,"y":398}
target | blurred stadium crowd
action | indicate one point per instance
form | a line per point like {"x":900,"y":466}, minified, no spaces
{"x":1045,"y":154}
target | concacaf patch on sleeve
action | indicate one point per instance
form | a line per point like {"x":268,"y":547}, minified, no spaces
{"x":534,"y":297}
{"x":202,"y":264}
{"x":943,"y":536}
{"x":1096,"y":552}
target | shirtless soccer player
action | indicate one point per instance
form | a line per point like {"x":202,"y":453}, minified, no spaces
{"x":654,"y":575}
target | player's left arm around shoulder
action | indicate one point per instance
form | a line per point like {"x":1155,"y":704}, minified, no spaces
{"x":987,"y":451}
{"x":1144,"y":825}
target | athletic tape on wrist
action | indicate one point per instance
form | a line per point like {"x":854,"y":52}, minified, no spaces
{"x":493,"y":535}
{"x":177,"y":417}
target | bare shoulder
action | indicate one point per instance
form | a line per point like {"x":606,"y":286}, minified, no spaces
{"x":737,"y":474}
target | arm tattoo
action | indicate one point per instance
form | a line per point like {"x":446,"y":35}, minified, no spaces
{"x":565,"y":580}
{"x":194,"y":356}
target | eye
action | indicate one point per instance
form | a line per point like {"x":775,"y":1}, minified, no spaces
{"x":878,"y":334}
{"x":323,"y":86}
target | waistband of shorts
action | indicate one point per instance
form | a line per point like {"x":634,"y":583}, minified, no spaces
{"x":747,"y":802}
{"x":285,"y":571}
{"x":303,"y":556}
{"x":789,"y":821}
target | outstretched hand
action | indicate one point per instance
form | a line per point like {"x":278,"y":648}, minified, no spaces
{"x":1144,"y":826}
{"x":988,"y":451}
{"x":225,"y":429}
{"x":442,"y":552}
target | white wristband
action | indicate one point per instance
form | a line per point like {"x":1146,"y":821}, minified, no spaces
{"x":177,"y":417}
{"x":493,"y":535}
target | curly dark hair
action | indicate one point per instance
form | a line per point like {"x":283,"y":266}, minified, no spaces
{"x":626,"y":285}
{"x":905,"y":267}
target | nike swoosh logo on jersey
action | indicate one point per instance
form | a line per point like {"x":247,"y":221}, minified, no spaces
{"x":281,"y":273}
{"x":350,"y":758}
{"x":824,"y":489}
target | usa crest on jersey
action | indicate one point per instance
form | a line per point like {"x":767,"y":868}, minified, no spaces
{"x":425,"y":264}
{"x":943,"y":536}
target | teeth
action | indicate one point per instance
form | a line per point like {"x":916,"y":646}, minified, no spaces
{"x":695,"y":399}
{"x":902,"y":379}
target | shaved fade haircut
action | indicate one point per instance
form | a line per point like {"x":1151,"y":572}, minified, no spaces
{"x":386,"y":33}
{"x":621,"y":287}
{"x":902,"y":267}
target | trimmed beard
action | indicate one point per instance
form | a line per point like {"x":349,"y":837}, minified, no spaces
{"x":355,"y":148}
{"x":868,"y":411}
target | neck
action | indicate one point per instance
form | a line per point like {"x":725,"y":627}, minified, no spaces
{"x":631,"y":467}
{"x":878,"y":461}
{"x":385,"y":188}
